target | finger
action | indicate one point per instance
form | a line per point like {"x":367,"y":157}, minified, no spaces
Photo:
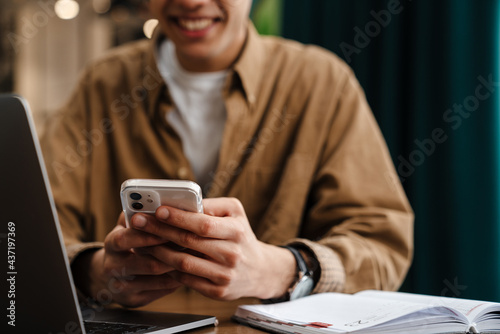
{"x":223,"y":207}
{"x":141,"y":265}
{"x":203,"y":286}
{"x":179,"y":239}
{"x":200,"y":224}
{"x":147,"y":297}
{"x":141,"y":283}
{"x":142,"y":290}
{"x":149,"y":224}
{"x":185,"y":262}
{"x":123,"y":239}
{"x":121,"y":220}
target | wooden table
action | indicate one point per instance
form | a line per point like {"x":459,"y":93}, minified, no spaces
{"x":189,"y":301}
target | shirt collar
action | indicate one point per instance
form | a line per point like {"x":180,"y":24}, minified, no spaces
{"x":153,"y":66}
{"x":250,"y":63}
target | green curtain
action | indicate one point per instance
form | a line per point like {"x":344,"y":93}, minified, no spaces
{"x":430,"y":72}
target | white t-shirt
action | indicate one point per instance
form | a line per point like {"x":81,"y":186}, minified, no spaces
{"x":199,"y":113}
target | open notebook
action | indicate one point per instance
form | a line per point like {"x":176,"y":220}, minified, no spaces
{"x":374,"y":312}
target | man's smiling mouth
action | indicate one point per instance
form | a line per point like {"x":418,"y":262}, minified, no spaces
{"x":195,"y":24}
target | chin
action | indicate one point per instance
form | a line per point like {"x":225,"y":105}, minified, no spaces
{"x":200,"y":53}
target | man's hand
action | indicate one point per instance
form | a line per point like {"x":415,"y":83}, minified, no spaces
{"x":223,"y":259}
{"x":121,"y":271}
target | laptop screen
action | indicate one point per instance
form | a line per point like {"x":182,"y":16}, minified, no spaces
{"x":34,"y":276}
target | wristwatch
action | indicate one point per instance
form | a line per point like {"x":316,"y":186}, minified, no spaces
{"x":304,"y":282}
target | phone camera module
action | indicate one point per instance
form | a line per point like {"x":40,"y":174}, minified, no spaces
{"x":137,"y":205}
{"x":135,"y":196}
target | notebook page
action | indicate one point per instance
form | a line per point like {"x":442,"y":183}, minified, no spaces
{"x":340,"y":311}
{"x":469,"y":309}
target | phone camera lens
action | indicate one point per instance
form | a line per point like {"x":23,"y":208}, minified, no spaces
{"x":137,"y":206}
{"x":135,"y":196}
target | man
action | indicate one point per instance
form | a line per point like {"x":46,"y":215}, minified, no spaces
{"x":282,"y":128}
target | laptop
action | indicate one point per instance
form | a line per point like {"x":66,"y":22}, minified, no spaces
{"x":36,"y":286}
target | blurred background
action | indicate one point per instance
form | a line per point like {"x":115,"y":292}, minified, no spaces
{"x":430,"y":70}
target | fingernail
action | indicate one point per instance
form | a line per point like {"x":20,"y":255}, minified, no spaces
{"x":140,"y":221}
{"x":162,"y":213}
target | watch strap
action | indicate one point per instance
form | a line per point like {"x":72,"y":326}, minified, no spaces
{"x":301,"y":263}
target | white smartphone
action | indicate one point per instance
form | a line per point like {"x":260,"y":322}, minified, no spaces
{"x":146,"y":195}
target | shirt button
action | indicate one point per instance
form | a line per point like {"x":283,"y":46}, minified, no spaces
{"x":182,"y":173}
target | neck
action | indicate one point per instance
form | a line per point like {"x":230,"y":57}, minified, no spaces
{"x":203,"y":66}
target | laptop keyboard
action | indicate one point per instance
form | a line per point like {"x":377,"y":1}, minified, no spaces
{"x":95,"y":327}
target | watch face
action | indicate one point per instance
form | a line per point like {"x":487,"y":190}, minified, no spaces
{"x":303,"y":287}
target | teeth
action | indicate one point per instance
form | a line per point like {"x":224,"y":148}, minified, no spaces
{"x":194,"y":25}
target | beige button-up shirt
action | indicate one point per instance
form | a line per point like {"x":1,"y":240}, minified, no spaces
{"x":301,"y":150}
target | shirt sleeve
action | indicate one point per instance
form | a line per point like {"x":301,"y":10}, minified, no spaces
{"x":67,"y":153}
{"x":359,"y":224}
